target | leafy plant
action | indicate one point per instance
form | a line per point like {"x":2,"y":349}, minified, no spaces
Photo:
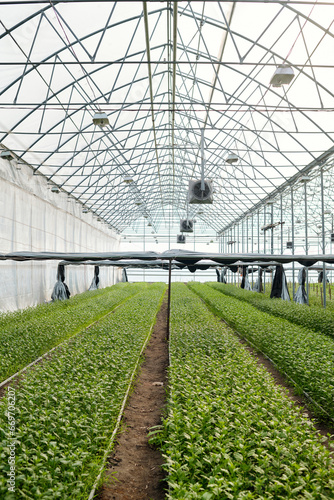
{"x":26,"y":335}
{"x":306,"y":356}
{"x":317,"y":319}
{"x":67,"y":406}
{"x":231,"y":433}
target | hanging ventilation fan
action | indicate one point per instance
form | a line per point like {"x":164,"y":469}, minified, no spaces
{"x":180,"y":238}
{"x":186,"y":226}
{"x":198,"y":195}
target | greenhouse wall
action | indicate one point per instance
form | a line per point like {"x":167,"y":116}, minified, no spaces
{"x":33,"y":218}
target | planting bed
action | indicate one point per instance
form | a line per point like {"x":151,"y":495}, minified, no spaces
{"x":26,"y":335}
{"x":305,"y":356}
{"x":231,"y":433}
{"x":134,"y":470}
{"x":67,"y":406}
{"x":317,"y":319}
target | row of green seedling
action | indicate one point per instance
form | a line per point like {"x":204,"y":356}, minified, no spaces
{"x":315,"y":294}
{"x":231,"y":433}
{"x":67,"y":407}
{"x":307,"y":357}
{"x":40,"y":329}
{"x":10,"y":319}
{"x":314,"y":318}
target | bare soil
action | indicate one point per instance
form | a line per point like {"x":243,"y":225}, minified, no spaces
{"x":134,"y":471}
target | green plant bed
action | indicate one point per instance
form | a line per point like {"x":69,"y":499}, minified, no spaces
{"x":230,"y":432}
{"x":35,"y":331}
{"x":67,"y":407}
{"x":305,"y":356}
{"x":317,"y":319}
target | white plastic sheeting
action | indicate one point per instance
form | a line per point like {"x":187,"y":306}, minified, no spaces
{"x":32,"y":218}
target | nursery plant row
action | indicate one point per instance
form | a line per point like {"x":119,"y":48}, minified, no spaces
{"x":319,"y":320}
{"x":230,"y":431}
{"x":307,"y":357}
{"x":66,"y":407}
{"x":29,"y":334}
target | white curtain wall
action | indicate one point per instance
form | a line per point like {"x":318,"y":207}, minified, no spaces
{"x":32,"y":218}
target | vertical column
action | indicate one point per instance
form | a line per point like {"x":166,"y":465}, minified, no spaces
{"x":238,"y":241}
{"x":293,"y":243}
{"x":242,"y":237}
{"x":272,"y":229}
{"x":264,"y":248}
{"x":144,"y":234}
{"x":306,"y":235}
{"x":247,"y":235}
{"x":281,"y":201}
{"x":252,"y":248}
{"x":323,"y":232}
{"x":264,"y":232}
{"x":252,"y":233}
{"x":234,"y":239}
{"x":258,"y":231}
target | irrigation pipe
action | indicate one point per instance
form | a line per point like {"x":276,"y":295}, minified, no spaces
{"x":119,"y":418}
{"x":5,"y":382}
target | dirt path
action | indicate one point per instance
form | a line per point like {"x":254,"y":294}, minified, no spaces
{"x":135,"y":472}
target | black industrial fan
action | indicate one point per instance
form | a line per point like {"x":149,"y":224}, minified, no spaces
{"x":200,"y":192}
{"x":186,"y":226}
{"x":180,"y":238}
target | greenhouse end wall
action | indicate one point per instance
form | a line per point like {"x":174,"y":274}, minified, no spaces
{"x":33,"y":218}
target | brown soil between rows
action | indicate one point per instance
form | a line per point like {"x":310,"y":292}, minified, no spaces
{"x":135,"y":471}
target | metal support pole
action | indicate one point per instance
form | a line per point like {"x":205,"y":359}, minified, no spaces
{"x":323,"y":233}
{"x":306,"y":238}
{"x":293,"y":243}
{"x":235,"y":246}
{"x":252,"y":233}
{"x":258,"y":231}
{"x":238,"y":240}
{"x":272,"y":229}
{"x":264,"y":233}
{"x":242,"y":237}
{"x":202,"y":160}
{"x":264,"y":249}
{"x":247,"y":235}
{"x":144,"y":274}
{"x":169,"y":287}
{"x":281,"y":224}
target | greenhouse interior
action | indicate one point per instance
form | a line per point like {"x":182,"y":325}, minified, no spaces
{"x":167,"y":250}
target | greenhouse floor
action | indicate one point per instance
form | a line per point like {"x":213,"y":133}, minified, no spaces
{"x":135,"y":467}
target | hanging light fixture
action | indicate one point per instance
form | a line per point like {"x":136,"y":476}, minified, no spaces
{"x":304,"y":178}
{"x":232,"y":158}
{"x":283,"y":76}
{"x":6,"y":155}
{"x":101,"y":119}
{"x":127,"y":179}
{"x":54,"y":189}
